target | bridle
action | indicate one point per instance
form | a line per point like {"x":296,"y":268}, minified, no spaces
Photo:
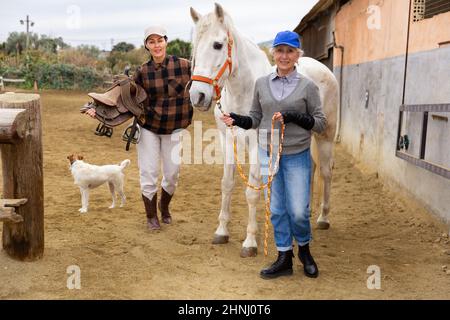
{"x":215,"y":82}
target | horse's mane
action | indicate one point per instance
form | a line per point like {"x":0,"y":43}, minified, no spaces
{"x":205,"y":23}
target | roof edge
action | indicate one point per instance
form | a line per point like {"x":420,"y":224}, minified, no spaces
{"x":319,"y":7}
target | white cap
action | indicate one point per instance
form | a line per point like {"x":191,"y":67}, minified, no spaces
{"x":159,"y":30}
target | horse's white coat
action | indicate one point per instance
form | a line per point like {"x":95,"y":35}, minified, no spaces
{"x":250,"y":63}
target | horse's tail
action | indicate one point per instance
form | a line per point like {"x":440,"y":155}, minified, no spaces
{"x":315,"y":176}
{"x":337,"y":93}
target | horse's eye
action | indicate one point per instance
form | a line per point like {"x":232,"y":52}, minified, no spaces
{"x":217,"y":45}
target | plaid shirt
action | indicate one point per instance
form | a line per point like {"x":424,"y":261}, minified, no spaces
{"x":168,"y":106}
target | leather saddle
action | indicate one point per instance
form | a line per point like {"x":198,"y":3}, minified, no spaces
{"x":121,"y":102}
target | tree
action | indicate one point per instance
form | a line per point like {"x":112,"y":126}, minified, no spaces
{"x":46,"y":44}
{"x":18,"y":40}
{"x":60,"y":43}
{"x":90,"y":51}
{"x":123,"y":47}
{"x":82,"y":56}
{"x":179,"y":48}
{"x":50,"y":45}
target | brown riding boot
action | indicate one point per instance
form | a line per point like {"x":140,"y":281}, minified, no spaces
{"x":150,"y":210}
{"x":163,"y":206}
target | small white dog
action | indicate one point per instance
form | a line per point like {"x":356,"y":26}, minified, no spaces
{"x":88,"y":176}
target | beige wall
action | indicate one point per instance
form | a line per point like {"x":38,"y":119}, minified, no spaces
{"x":363,"y":44}
{"x":374,"y":66}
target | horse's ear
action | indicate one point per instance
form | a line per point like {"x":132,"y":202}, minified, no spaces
{"x":219,"y":12}
{"x":195,"y":15}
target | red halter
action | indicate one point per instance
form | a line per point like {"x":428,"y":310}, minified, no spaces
{"x":227,"y":64}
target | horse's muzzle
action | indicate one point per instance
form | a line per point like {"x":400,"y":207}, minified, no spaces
{"x":199,"y":101}
{"x":201,"y":95}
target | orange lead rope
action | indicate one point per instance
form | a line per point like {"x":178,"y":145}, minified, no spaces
{"x":270,"y":175}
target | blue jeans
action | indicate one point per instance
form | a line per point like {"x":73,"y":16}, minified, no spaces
{"x":289,"y":203}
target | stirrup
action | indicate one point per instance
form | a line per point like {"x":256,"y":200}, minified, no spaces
{"x":103,"y":130}
{"x":108,"y":132}
{"x":128,"y":131}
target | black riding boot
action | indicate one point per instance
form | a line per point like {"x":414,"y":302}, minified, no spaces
{"x":150,"y":210}
{"x":309,"y":266}
{"x":163,"y":206}
{"x":281,"y":267}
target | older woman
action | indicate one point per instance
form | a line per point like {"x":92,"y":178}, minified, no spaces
{"x":288,"y":95}
{"x":167,"y":109}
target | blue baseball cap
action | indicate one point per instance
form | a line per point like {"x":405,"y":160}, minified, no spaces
{"x":288,"y":38}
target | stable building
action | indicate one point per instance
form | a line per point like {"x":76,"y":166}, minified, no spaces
{"x":392,"y":61}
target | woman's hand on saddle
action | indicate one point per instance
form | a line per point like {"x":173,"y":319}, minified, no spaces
{"x":229,"y":121}
{"x":91,"y":112}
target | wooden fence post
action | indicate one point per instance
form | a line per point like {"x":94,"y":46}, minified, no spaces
{"x":23,"y":183}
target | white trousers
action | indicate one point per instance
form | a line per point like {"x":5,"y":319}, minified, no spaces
{"x":156,"y":150}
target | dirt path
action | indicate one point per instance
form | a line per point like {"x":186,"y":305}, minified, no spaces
{"x":119,"y":258}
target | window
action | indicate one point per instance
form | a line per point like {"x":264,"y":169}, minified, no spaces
{"x":434,"y":7}
{"x":424,"y":9}
{"x":419,"y":10}
{"x":431,"y":148}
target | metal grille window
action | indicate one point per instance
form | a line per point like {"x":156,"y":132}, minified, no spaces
{"x":424,"y":9}
{"x":419,"y":10}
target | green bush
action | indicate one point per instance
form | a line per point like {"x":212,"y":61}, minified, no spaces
{"x":66,"y":76}
{"x":51,"y":71}
{"x":55,"y":76}
{"x":87,"y":78}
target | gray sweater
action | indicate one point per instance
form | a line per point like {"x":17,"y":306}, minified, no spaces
{"x":304,"y":99}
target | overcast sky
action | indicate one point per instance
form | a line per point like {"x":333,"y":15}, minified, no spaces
{"x":100,"y":22}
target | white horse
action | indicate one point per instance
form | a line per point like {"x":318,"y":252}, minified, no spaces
{"x":223,"y":59}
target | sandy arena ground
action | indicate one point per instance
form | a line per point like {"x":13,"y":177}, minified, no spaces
{"x":120,"y":259}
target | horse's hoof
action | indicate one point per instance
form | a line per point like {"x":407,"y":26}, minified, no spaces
{"x":322,"y":225}
{"x":220,"y":239}
{"x":249,"y":252}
